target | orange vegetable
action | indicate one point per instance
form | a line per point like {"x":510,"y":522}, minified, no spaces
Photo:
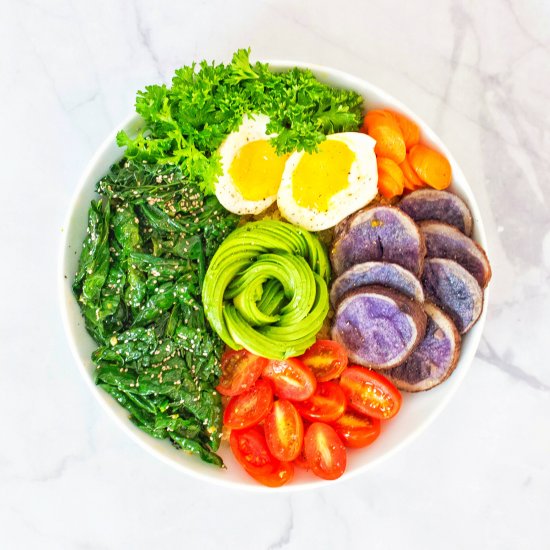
{"x":383,"y":127}
{"x":430,"y":166}
{"x":412,"y":181}
{"x":390,"y":178}
{"x":410,"y":131}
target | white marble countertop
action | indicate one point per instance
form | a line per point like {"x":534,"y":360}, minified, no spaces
{"x":479,"y":73}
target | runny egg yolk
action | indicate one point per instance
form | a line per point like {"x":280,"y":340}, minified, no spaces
{"x":256,"y":170}
{"x":320,"y":175}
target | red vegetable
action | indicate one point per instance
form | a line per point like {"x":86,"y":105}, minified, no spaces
{"x":357,"y":430}
{"x":250,"y":449}
{"x":284,"y":431}
{"x":291,"y":379}
{"x":240,"y":369}
{"x":325,"y":453}
{"x":327,"y":403}
{"x":368,"y":392}
{"x":326,"y":358}
{"x":249,"y":408}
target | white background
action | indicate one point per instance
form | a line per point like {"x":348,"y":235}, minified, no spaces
{"x":478,"y":72}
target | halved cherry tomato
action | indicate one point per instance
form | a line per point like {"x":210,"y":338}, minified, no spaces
{"x":326,"y":358}
{"x":301,"y":461}
{"x":327,"y":403}
{"x":357,"y":430}
{"x":369,"y":393}
{"x":249,"y":408}
{"x":250,"y":449}
{"x":280,"y":475}
{"x":284,"y":431}
{"x":240,"y":369}
{"x":291,"y":379}
{"x":325,"y":453}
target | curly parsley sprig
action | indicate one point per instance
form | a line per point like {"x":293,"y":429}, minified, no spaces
{"x":187,"y":122}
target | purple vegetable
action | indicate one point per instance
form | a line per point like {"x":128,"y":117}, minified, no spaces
{"x":379,"y":233}
{"x":435,"y":358}
{"x":445,"y":241}
{"x":454,"y":290}
{"x":377,"y":273}
{"x":430,"y":204}
{"x":378,"y":327}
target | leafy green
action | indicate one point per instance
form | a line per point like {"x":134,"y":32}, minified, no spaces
{"x":156,"y":227}
{"x":186,"y":123}
{"x":142,"y":266}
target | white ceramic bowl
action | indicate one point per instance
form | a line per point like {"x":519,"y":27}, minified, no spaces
{"x":418,"y":410}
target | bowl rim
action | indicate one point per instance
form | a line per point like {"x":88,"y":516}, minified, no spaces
{"x":123,"y":423}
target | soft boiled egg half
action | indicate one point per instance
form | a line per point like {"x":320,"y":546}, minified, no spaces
{"x":320,"y":189}
{"x":252,"y":170}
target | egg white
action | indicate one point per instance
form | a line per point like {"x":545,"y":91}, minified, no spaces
{"x":362,"y":186}
{"x":252,"y":128}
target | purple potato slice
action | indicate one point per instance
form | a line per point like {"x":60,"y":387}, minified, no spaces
{"x":454,"y":290}
{"x":445,"y":241}
{"x":430,"y":204}
{"x":377,"y":273}
{"x":378,"y":327}
{"x":378,"y":233}
{"x":435,"y":358}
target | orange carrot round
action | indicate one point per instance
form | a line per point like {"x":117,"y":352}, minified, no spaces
{"x":390,"y":178}
{"x":412,"y":181}
{"x":383,"y":128}
{"x":430,"y":166}
{"x":410,"y":130}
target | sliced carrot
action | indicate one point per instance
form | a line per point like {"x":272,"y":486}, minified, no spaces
{"x":410,"y":130}
{"x":390,"y":178}
{"x":430,"y":166}
{"x":412,"y":181}
{"x":383,"y":128}
{"x":375,"y":116}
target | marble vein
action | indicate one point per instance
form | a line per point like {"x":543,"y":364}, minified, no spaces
{"x":288,"y":528}
{"x":92,"y":97}
{"x":491,"y":356}
{"x":320,"y":34}
{"x":461,"y":21}
{"x":343,"y":535}
{"x":145,"y":40}
{"x":480,"y":123}
{"x":59,"y":469}
{"x":522,"y":27}
{"x":480,"y":72}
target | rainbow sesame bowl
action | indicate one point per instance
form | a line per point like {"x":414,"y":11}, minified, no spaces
{"x":418,"y":410}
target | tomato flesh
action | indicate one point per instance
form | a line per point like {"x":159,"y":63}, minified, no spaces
{"x":370,"y":393}
{"x":327,"y":403}
{"x":326,"y":358}
{"x":301,"y":461}
{"x":251,"y":452}
{"x":280,"y":475}
{"x":356,"y":430}
{"x":325,"y":453}
{"x":291,"y":379}
{"x":249,"y":408}
{"x":250,"y":449}
{"x":284,"y":431}
{"x":240,"y":369}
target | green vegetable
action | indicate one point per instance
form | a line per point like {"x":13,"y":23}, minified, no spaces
{"x":186,"y":123}
{"x":266,"y":289}
{"x":147,"y":259}
{"x":143,"y":262}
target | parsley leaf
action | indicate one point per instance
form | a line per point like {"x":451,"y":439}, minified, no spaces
{"x":187,"y":122}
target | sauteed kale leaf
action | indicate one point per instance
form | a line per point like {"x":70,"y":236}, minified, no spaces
{"x":149,"y":239}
